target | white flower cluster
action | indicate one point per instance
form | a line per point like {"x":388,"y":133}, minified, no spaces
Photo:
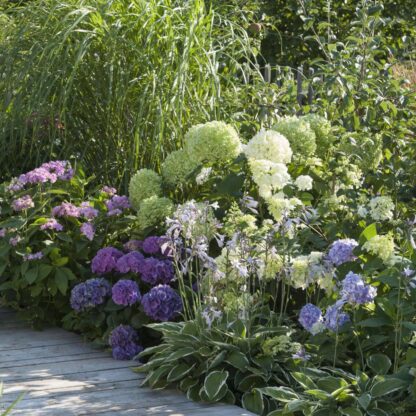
{"x":268,"y":152}
{"x":380,"y":208}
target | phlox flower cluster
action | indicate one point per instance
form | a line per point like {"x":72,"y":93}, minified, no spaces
{"x":52,"y":224}
{"x":66,"y":209}
{"x":87,"y":211}
{"x":110,"y":191}
{"x":48,"y":172}
{"x":89,"y":294}
{"x":124,"y":343}
{"x":88,"y":230}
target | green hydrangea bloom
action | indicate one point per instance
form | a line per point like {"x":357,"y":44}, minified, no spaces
{"x":177,"y":168}
{"x":322,"y":129}
{"x":153,"y":211}
{"x":144,"y":184}
{"x":298,"y":131}
{"x":212,"y":142}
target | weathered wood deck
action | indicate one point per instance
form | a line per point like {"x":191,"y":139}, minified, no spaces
{"x":62,"y":375}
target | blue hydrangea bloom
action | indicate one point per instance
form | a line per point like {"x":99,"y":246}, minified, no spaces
{"x":310,"y":317}
{"x":341,"y":251}
{"x":89,"y":293}
{"x":105,"y":261}
{"x":355,"y":291}
{"x":124,"y":343}
{"x":162,"y":303}
{"x":130,"y":262}
{"x":334,"y":318}
{"x":126,"y":292}
{"x":154,"y":271}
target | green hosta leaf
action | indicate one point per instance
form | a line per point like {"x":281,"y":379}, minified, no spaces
{"x":319,"y":394}
{"x":253,"y":402}
{"x":304,"y":380}
{"x":179,"y":371}
{"x":282,"y":394}
{"x":187,"y":383}
{"x":387,"y":386}
{"x":193,"y":393}
{"x":379,"y":363}
{"x":364,"y":400}
{"x":181,"y":352}
{"x":219,"y":396}
{"x":32,"y":274}
{"x":297,"y":405}
{"x":377,"y":412}
{"x":213,"y":383}
{"x":156,"y":376}
{"x":218,"y":359}
{"x":331,"y":384}
{"x":238,"y":360}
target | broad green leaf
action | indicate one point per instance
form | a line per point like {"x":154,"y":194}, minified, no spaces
{"x":387,"y":386}
{"x":32,"y":274}
{"x":213,"y":383}
{"x":304,"y":380}
{"x":238,"y":360}
{"x":253,"y":402}
{"x":319,"y":394}
{"x":179,"y":372}
{"x":379,"y":363}
{"x":351,"y":411}
{"x":364,"y":400}
{"x":282,"y":394}
{"x":369,"y":232}
{"x":330,"y":383}
{"x":61,"y":280}
{"x":44,"y":270}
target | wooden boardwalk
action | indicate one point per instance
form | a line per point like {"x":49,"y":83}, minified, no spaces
{"x":62,"y":375}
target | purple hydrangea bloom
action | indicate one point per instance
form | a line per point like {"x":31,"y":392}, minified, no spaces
{"x":126,"y":292}
{"x":52,"y":224}
{"x":20,"y":204}
{"x":341,"y":251}
{"x":38,"y":175}
{"x":88,"y":230}
{"x":117,"y":204}
{"x":130,"y":262}
{"x":162,"y":303}
{"x":90,"y":293}
{"x":66,"y":209}
{"x":105,"y":261}
{"x":133,"y":245}
{"x":154,"y":271}
{"x":310,"y":317}
{"x":355,"y":291}
{"x":124,"y":342}
{"x":33,"y":256}
{"x":151,"y":245}
{"x":87,"y":211}
{"x":334,"y":319}
{"x":2,"y":232}
{"x":61,"y":168}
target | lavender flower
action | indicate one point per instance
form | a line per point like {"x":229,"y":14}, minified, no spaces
{"x":14,"y":241}
{"x":105,"y":261}
{"x":151,"y":245}
{"x":23,"y":203}
{"x":130,"y":262}
{"x":52,"y":224}
{"x":66,"y":209}
{"x":89,"y":293}
{"x":154,"y":271}
{"x":342,"y":251}
{"x":117,"y":204}
{"x":162,"y":303}
{"x":35,"y":256}
{"x":124,"y":342}
{"x":334,"y":319}
{"x":355,"y":291}
{"x":15,"y":186}
{"x":87,"y":211}
{"x":310,"y":317}
{"x":88,"y":230}
{"x":133,"y":245}
{"x":126,"y":292}
{"x":109,"y":190}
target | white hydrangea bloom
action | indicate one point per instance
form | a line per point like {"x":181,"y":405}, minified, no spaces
{"x":362,"y":211}
{"x":304,"y":182}
{"x":203,"y":176}
{"x":270,"y":177}
{"x":269,"y":145}
{"x":279,"y":206}
{"x":381,"y":208}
